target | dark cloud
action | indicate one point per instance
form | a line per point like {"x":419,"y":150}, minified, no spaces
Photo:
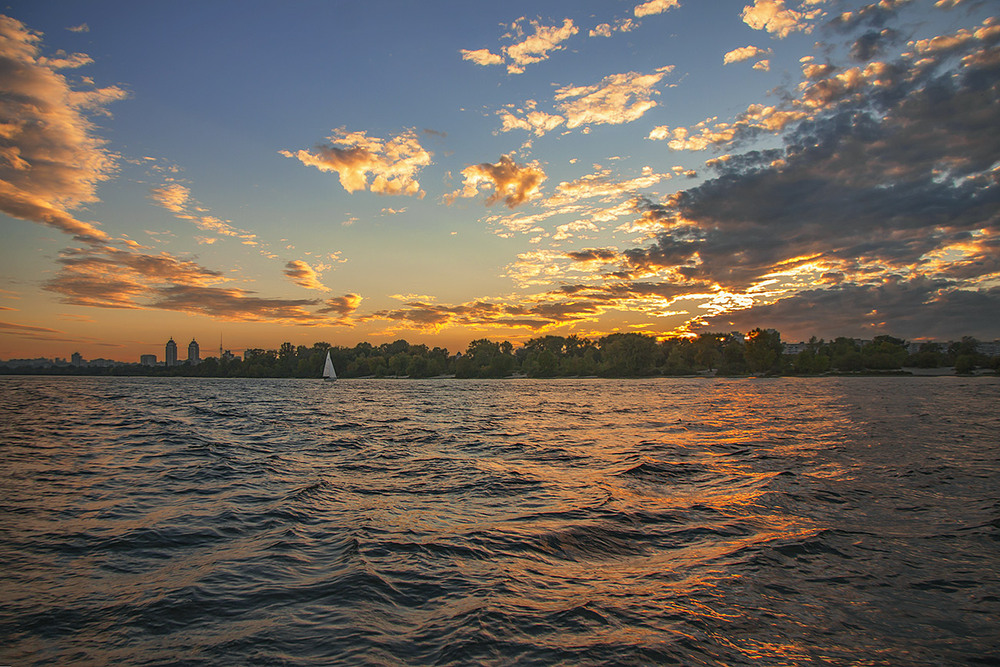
{"x":233,"y":304}
{"x":890,"y":179}
{"x":593,"y":254}
{"x":874,"y":15}
{"x":24,"y":328}
{"x":873,"y":43}
{"x":907,"y":309}
{"x":108,"y":277}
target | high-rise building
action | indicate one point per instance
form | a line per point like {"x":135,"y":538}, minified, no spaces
{"x":170,"y":355}
{"x":77,"y":359}
{"x":193,"y":352}
{"x":147,"y":359}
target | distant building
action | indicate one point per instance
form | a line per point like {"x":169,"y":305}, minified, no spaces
{"x":147,"y":359}
{"x":795,"y":348}
{"x":170,"y":355}
{"x":193,"y":351}
{"x":989,"y":349}
{"x":76,"y":359}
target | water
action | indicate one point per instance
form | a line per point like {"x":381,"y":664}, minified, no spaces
{"x":578,"y":522}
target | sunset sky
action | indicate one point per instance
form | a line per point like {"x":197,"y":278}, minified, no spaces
{"x":443,"y":171}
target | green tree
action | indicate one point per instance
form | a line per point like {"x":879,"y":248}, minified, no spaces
{"x":762,"y":351}
{"x":965,"y":364}
{"x":628,"y":354}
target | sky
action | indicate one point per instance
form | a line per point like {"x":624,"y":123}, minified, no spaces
{"x":249,"y":173}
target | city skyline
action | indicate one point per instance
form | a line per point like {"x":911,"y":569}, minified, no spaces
{"x":445,"y":172}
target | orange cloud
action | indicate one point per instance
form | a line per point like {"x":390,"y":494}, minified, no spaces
{"x":774,"y":17}
{"x":525,"y":50}
{"x":393,"y":163}
{"x":481,"y":57}
{"x":606,"y":29}
{"x":343,"y":306}
{"x":172,"y":196}
{"x":743,"y":53}
{"x":536,"y":47}
{"x":511,"y":182}
{"x":50,"y":159}
{"x":303,"y":275}
{"x":655,"y":7}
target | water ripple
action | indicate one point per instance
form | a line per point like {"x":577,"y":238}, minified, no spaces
{"x":695,"y":522}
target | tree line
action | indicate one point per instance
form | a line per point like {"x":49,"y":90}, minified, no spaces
{"x":761,"y":352}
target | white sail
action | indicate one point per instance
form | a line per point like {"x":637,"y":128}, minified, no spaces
{"x":328,"y":372}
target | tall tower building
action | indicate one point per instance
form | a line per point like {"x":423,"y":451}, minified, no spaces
{"x":193,"y":352}
{"x":170,"y":355}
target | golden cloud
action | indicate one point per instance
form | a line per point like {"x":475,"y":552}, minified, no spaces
{"x":536,"y":47}
{"x":172,"y":196}
{"x":393,"y":163}
{"x":481,"y":57}
{"x":530,"y":49}
{"x":511,"y":182}
{"x":342,"y":305}
{"x":617,"y":99}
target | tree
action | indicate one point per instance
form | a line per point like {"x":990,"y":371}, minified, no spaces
{"x":965,"y":364}
{"x":628,"y":354}
{"x":762,"y":351}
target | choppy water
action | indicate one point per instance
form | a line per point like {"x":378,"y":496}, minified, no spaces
{"x":792,"y":521}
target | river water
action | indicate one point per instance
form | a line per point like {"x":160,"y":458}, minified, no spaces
{"x":448,"y":522}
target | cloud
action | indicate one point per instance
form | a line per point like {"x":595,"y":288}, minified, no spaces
{"x":537,"y":122}
{"x":342,"y":306}
{"x":875,"y":192}
{"x":537,"y":46}
{"x":303,"y":275}
{"x":607,"y":29}
{"x":743,"y":53}
{"x":83,"y":27}
{"x":617,"y":99}
{"x":593,"y":255}
{"x":872,"y":44}
{"x":172,"y":196}
{"x":775,"y":18}
{"x":481,"y":57}
{"x":903,"y":308}
{"x":176,"y":198}
{"x":511,"y":182}
{"x":874,"y":15}
{"x":534,"y":313}
{"x":393,"y":163}
{"x":24,"y":328}
{"x":525,"y":49}
{"x":229,"y":303}
{"x":51,"y":160}
{"x":655,"y":7}
{"x":108,"y":277}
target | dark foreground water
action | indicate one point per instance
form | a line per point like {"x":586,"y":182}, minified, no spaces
{"x":578,"y":522}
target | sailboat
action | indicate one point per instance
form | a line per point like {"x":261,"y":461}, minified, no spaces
{"x":328,"y":372}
